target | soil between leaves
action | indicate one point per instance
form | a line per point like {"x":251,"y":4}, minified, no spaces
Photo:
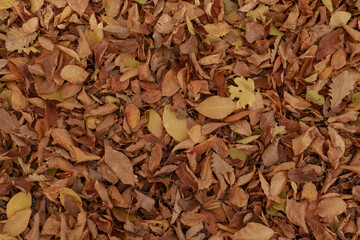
{"x":180,"y":120}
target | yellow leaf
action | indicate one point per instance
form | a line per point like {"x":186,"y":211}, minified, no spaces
{"x":311,"y":78}
{"x":355,"y":100}
{"x":216,"y":107}
{"x":248,"y":140}
{"x":74,"y":74}
{"x":309,"y":192}
{"x":274,"y":31}
{"x":219,"y":29}
{"x":315,"y":97}
{"x":196,"y":135}
{"x":5,"y":4}
{"x":131,"y":62}
{"x":340,"y":17}
{"x":69,"y":192}
{"x":190,"y":26}
{"x":176,"y":127}
{"x":28,"y":50}
{"x":259,"y":12}
{"x":18,"y":202}
{"x":254,"y":231}
{"x":237,"y":153}
{"x":17,"y":223}
{"x":328,"y":5}
{"x":6,"y":237}
{"x":244,"y":92}
{"x":154,"y":123}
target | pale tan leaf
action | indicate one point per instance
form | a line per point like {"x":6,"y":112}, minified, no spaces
{"x":210,"y":59}
{"x":176,"y":127}
{"x":78,"y":6}
{"x":191,"y":219}
{"x":340,"y":87}
{"x":17,"y":39}
{"x":302,"y":142}
{"x":17,"y":223}
{"x":331,"y":207}
{"x":112,"y":7}
{"x":120,"y":164}
{"x":277,"y":184}
{"x":196,"y":135}
{"x":309,"y":192}
{"x":238,"y":197}
{"x":6,"y":237}
{"x":295,"y":212}
{"x":154,"y":124}
{"x":74,"y":74}
{"x":254,"y":231}
{"x":218,"y":29}
{"x":216,"y":107}
{"x":340,"y":17}
{"x":220,"y":166}
{"x":18,"y":202}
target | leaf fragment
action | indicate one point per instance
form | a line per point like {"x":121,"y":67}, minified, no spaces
{"x":5,"y":4}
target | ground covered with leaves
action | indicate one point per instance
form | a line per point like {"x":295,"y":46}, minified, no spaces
{"x":190,"y":120}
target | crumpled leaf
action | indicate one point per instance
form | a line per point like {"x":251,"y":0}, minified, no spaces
{"x":74,"y":74}
{"x":216,"y":107}
{"x":340,"y":87}
{"x":340,"y":17}
{"x":259,"y":12}
{"x":18,"y":202}
{"x":17,"y":223}
{"x":5,"y":4}
{"x":244,"y":91}
{"x":254,"y":231}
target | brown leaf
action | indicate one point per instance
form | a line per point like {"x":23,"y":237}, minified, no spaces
{"x":120,"y":164}
{"x":8,"y":122}
{"x":170,"y":84}
{"x":238,"y":197}
{"x":190,"y":218}
{"x":132,"y":115}
{"x":74,"y":74}
{"x":340,"y":87}
{"x":302,"y":142}
{"x":331,"y":207}
{"x":295,"y":212}
{"x":145,"y":202}
{"x":220,"y":166}
{"x":78,"y":6}
{"x":155,"y":157}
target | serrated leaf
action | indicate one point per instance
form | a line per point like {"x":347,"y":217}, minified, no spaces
{"x":18,"y":202}
{"x":311,"y":78}
{"x":328,"y":4}
{"x":17,"y":223}
{"x":340,"y":17}
{"x":254,"y":231}
{"x":340,"y":87}
{"x":355,"y":100}
{"x":17,"y":39}
{"x":315,"y":97}
{"x":176,"y":127}
{"x":236,"y":153}
{"x":248,"y":140}
{"x":5,"y":4}
{"x":244,"y":91}
{"x":216,"y":107}
{"x":154,"y":123}
{"x":74,"y":74}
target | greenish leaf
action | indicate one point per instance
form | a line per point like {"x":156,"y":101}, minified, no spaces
{"x":328,"y":5}
{"x":236,"y":153}
{"x":248,"y":140}
{"x":274,"y":31}
{"x":355,"y":100}
{"x":315,"y":97}
{"x":190,"y":26}
{"x":311,"y":78}
{"x":229,"y":6}
{"x":141,"y":1}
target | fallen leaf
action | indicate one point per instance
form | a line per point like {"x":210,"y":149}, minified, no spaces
{"x":302,"y":142}
{"x":309,"y":192}
{"x":218,"y":29}
{"x":331,"y":207}
{"x":74,"y":74}
{"x":175,"y":127}
{"x":190,"y":218}
{"x":18,"y":202}
{"x":216,"y":107}
{"x":244,"y":91}
{"x":220,"y":166}
{"x":340,"y":87}
{"x":238,"y":197}
{"x":132,"y":115}
{"x":154,"y":124}
{"x":68,"y":192}
{"x":5,"y":4}
{"x":254,"y":231}
{"x":340,"y":17}
{"x":295,"y":212}
{"x":17,"y":223}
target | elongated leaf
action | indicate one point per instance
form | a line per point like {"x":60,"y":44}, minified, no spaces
{"x":216,"y":107}
{"x":340,"y":87}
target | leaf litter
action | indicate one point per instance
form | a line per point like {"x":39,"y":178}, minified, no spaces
{"x":179,"y":119}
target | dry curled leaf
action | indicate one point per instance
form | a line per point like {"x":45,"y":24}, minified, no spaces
{"x":254,"y":231}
